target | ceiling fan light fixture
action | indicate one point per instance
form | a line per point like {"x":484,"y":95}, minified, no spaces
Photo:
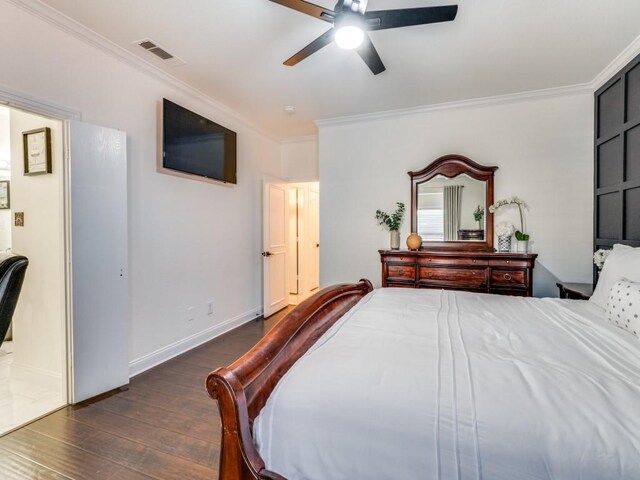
{"x":349,"y":37}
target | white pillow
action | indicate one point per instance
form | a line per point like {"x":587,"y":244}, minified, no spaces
{"x":623,"y":306}
{"x":622,"y":263}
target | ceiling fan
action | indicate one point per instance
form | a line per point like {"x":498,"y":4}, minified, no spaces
{"x":351,"y":21}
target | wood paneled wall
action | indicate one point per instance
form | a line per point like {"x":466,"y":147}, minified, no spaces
{"x":617,"y":159}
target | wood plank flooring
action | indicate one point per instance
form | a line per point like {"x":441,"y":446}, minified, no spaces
{"x":163,"y":426}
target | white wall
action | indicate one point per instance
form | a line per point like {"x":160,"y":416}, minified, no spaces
{"x":542,"y":146}
{"x":189,"y":242}
{"x":300,"y":159}
{"x":5,"y":174}
{"x":39,"y":320}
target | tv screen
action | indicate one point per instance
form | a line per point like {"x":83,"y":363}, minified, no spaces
{"x":195,"y":145}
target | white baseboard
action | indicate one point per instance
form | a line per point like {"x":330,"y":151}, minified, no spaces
{"x":163,"y":354}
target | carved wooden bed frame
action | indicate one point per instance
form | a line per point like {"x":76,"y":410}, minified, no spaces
{"x":243,"y":388}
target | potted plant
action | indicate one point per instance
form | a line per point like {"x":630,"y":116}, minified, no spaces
{"x":478,"y":215}
{"x":392,"y":223}
{"x":522,"y":239}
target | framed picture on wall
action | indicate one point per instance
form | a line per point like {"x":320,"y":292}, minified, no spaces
{"x":37,"y":151}
{"x":5,"y":202}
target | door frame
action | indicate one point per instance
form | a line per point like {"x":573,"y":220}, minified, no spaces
{"x":30,"y":104}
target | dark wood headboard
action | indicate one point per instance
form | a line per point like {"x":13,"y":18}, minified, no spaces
{"x":617,"y":160}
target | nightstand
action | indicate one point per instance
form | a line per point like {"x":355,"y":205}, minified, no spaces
{"x":575,"y":291}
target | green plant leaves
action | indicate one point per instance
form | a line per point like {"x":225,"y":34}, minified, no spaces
{"x":393,"y":221}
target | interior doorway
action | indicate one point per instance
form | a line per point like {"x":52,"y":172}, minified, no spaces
{"x":291,"y":245}
{"x":304,"y":241}
{"x":33,"y":356}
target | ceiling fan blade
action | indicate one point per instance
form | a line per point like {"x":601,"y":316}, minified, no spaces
{"x":322,"y":41}
{"x":383,"y":19}
{"x":369,"y":54}
{"x":309,"y":9}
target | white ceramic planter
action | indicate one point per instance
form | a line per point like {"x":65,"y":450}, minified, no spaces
{"x":395,"y":239}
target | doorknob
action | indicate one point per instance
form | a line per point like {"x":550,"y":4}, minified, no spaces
{"x":317,"y":245}
{"x":266,"y":254}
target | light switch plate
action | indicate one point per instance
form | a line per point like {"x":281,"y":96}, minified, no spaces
{"x":18,"y":219}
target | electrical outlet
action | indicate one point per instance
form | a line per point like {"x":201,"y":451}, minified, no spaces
{"x":191,"y":314}
{"x":210,"y":308}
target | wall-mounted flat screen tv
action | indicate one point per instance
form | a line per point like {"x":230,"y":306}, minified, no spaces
{"x":195,"y":145}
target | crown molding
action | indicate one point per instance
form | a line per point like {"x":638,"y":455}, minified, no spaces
{"x":22,"y":101}
{"x":617,"y":64}
{"x":476,"y":102}
{"x":66,"y":24}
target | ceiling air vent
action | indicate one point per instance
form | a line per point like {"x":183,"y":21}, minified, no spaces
{"x":153,"y":48}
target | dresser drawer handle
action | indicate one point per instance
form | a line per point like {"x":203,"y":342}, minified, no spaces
{"x":474,"y":260}
{"x":507,"y":262}
{"x":507,"y":276}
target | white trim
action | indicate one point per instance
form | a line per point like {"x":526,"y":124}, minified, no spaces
{"x":499,"y":99}
{"x":76,"y":29}
{"x":163,"y":354}
{"x":23,"y":101}
{"x":617,"y":64}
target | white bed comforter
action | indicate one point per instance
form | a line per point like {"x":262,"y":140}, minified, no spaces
{"x":426,"y":384}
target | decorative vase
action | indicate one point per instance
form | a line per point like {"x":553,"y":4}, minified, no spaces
{"x":522,"y":246}
{"x":504,"y":243}
{"x":414,"y":241}
{"x":395,"y":239}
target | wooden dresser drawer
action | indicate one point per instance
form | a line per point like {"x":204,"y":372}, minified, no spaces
{"x":464,"y":277}
{"x":508,"y":278}
{"x":391,"y":259}
{"x":463,"y":262}
{"x":508,"y":263}
{"x":396,"y":272}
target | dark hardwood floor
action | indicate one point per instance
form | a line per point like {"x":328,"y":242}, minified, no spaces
{"x":163,"y":426}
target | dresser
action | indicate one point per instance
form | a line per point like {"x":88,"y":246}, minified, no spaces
{"x":475,"y":271}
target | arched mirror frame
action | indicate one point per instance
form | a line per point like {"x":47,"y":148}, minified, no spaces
{"x":451,"y":166}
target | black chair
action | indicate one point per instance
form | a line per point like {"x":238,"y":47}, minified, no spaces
{"x":12,"y":270}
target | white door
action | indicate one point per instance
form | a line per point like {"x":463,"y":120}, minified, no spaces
{"x":274,"y":246}
{"x":98,"y":227}
{"x":313,"y":217}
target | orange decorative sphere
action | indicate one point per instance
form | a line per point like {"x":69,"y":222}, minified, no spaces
{"x":414,"y":241}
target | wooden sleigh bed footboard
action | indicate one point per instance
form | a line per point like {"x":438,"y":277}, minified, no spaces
{"x":243,"y":387}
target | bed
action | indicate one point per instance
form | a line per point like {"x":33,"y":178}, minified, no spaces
{"x":405,"y":383}
{"x":409,"y":383}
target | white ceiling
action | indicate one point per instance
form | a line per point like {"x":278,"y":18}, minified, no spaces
{"x":234,"y":51}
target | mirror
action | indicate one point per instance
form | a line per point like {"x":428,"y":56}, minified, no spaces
{"x":451,"y":209}
{"x":449,"y":204}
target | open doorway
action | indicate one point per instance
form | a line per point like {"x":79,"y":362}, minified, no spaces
{"x":304,"y":241}
{"x":33,"y":355}
{"x":291,"y":245}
